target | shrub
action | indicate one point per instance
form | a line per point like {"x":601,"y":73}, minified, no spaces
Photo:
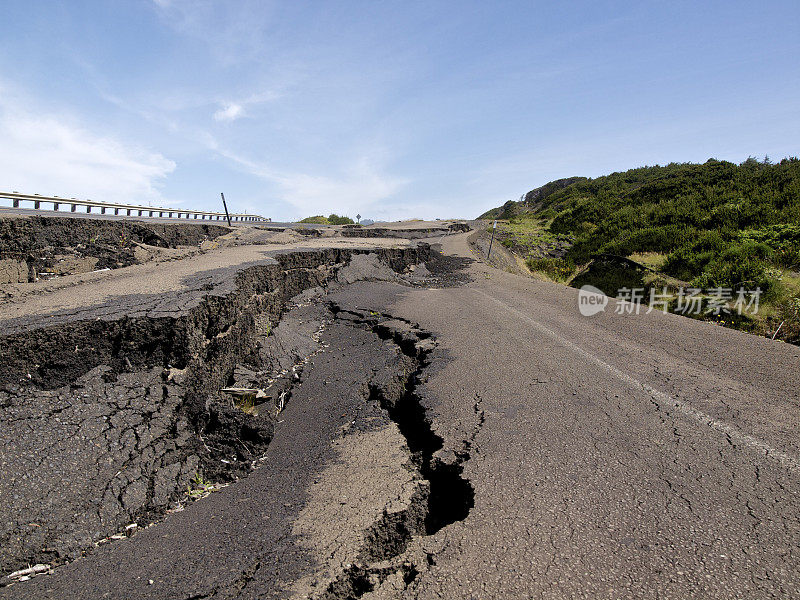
{"x":557,"y":269}
{"x":317,"y":220}
{"x":335,"y":219}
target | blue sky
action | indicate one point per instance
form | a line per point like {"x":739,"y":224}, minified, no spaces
{"x":388,"y":109}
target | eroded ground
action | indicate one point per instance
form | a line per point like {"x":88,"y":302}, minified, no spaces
{"x":437,"y":428}
{"x":119,"y":408}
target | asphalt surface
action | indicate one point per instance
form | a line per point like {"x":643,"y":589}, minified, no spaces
{"x":99,"y":427}
{"x":641,"y":456}
{"x":646,"y":456}
{"x":270,"y":534}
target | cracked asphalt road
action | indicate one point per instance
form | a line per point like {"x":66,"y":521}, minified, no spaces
{"x":647,"y":456}
{"x":641,"y":456}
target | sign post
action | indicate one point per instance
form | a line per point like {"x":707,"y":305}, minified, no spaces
{"x":494,"y":226}
{"x":225,"y":206}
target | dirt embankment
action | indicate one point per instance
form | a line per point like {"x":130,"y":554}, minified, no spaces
{"x":106,"y":423}
{"x":493,"y":252}
{"x":409,"y":233}
{"x":34,"y":247}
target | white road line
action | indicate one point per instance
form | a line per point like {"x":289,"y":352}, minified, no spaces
{"x":735,"y":435}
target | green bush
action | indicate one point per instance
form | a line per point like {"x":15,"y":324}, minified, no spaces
{"x":688,"y":261}
{"x":720,"y":224}
{"x":741,"y":265}
{"x":650,"y":239}
{"x":337,"y":220}
{"x":317,"y":220}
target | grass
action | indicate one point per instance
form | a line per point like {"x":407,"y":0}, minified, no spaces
{"x":556,"y":269}
{"x":247,"y":404}
{"x":527,"y":235}
{"x":332,"y":219}
{"x":316,"y":220}
{"x":653,"y":260}
{"x":778,"y":314}
{"x":199,"y":487}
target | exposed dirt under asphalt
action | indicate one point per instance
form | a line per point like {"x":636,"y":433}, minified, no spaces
{"x":35,"y":247}
{"x":392,"y":423}
{"x":128,"y":393}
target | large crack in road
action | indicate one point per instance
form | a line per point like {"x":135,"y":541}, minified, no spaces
{"x":138,"y":429}
{"x":107,"y":422}
{"x":447,"y":496}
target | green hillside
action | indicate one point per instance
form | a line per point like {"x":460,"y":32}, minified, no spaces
{"x":333,"y":219}
{"x":709,"y":225}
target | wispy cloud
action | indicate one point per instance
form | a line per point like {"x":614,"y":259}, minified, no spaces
{"x":230,"y":112}
{"x":357,"y":188}
{"x":233,"y":32}
{"x":51,"y":154}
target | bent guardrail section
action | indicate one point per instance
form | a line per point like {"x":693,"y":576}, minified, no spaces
{"x":55,"y":203}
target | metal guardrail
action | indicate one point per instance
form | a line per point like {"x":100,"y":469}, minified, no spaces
{"x":127,"y":210}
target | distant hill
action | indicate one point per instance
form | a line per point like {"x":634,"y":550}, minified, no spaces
{"x":333,"y":219}
{"x":532,"y":200}
{"x":716,"y":224}
{"x":717,"y":220}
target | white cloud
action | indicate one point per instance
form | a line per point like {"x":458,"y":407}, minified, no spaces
{"x":230,"y":112}
{"x":354,"y":190}
{"x":48,"y":154}
{"x":349,"y":194}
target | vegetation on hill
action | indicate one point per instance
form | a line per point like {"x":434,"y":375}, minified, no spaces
{"x":317,"y":220}
{"x":337,"y":220}
{"x":332,"y":219}
{"x":530,"y":201}
{"x":708,"y":226}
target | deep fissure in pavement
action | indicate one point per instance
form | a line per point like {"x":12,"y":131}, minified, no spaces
{"x":129,"y":411}
{"x":450,"y":496}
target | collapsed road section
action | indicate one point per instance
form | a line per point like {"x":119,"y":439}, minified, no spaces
{"x":33,"y":248}
{"x":351,"y":480}
{"x":110,"y":413}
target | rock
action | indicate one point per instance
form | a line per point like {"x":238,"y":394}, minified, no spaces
{"x":366,"y":267}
